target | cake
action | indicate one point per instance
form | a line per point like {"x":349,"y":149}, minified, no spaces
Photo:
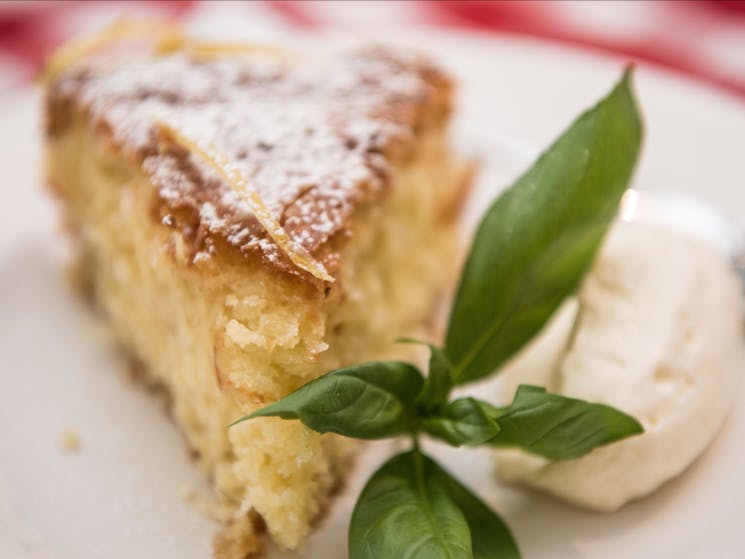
{"x":246,"y":221}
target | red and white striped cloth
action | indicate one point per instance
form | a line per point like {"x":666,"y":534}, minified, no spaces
{"x":703,"y":39}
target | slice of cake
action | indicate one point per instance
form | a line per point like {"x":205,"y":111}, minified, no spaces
{"x":247,"y":222}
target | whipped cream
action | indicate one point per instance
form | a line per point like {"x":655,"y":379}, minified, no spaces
{"x":659,"y":335}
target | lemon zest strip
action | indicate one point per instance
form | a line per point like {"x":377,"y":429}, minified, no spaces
{"x":241,"y":186}
{"x":167,"y":38}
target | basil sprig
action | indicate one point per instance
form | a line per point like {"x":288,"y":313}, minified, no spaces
{"x":532,"y":250}
{"x":538,"y":239}
{"x":558,"y":427}
{"x":464,"y":421}
{"x":412,"y":507}
{"x":366,"y":401}
{"x":439,"y":379}
{"x":409,"y":490}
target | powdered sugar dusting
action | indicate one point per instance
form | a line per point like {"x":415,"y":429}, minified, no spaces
{"x":313,"y":139}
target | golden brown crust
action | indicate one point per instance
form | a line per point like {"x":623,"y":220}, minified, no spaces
{"x":316,"y":139}
{"x":240,"y":538}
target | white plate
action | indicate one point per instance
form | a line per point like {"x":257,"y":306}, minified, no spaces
{"x":119,"y":496}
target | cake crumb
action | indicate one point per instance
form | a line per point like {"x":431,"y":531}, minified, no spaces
{"x":207,"y":505}
{"x":69,"y":441}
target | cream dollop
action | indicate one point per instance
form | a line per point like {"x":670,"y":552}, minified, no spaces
{"x":659,"y":335}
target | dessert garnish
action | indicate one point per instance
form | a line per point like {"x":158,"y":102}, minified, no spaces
{"x":163,"y":37}
{"x":531,"y":251}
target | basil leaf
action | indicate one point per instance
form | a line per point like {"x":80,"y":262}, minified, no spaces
{"x":413,"y":508}
{"x":438,"y":382}
{"x":536,"y":242}
{"x":462,"y":422}
{"x":558,"y":427}
{"x":366,"y":401}
{"x":490,"y":537}
{"x":406,"y":511}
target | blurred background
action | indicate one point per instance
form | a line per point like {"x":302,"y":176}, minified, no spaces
{"x":703,"y":39}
